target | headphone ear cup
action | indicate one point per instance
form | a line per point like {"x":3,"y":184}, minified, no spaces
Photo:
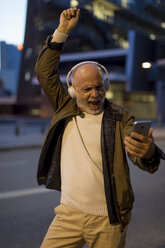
{"x":72,"y":92}
{"x":106,"y":84}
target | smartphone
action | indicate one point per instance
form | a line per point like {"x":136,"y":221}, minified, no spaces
{"x":142,"y":127}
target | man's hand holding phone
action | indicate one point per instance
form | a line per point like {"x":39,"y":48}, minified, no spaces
{"x":138,"y":143}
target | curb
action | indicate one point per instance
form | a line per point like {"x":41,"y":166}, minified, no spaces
{"x":20,"y":147}
{"x":31,"y":146}
{"x":158,"y":135}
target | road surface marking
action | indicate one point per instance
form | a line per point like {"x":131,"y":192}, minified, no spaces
{"x":24,"y":192}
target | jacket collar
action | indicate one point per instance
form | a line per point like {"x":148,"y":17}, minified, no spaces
{"x":111,"y":112}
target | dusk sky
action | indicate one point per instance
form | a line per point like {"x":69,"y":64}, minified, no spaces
{"x":12,"y":21}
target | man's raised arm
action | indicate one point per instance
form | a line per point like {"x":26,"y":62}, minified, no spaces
{"x":48,"y":61}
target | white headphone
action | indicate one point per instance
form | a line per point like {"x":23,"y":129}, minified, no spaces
{"x":71,"y":89}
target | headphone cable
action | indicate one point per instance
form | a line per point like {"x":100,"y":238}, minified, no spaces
{"x":94,"y":163}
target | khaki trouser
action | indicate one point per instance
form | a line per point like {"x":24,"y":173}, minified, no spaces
{"x":72,"y":228}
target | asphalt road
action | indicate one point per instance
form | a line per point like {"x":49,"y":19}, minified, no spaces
{"x":26,"y":209}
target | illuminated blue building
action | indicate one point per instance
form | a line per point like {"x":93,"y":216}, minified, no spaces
{"x":121,"y":34}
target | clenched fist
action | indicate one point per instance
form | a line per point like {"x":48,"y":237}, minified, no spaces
{"x":68,"y":20}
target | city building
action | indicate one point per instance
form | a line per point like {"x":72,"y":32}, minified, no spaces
{"x":9,"y":73}
{"x":9,"y":68}
{"x":127,"y":36}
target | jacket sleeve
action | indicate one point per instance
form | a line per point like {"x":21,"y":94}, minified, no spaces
{"x":150,"y":165}
{"x":47,"y":73}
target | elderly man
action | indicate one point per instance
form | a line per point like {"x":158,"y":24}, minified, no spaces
{"x":84,"y":152}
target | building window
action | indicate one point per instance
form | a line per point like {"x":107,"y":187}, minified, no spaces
{"x":74,"y":3}
{"x":28,"y":53}
{"x":27,"y":76}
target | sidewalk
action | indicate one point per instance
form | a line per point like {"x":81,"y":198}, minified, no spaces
{"x":9,"y":140}
{"x":12,"y":141}
{"x":27,"y":134}
{"x":159,"y":134}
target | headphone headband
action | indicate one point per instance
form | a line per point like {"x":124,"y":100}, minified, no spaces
{"x":82,"y":63}
{"x":70,"y":88}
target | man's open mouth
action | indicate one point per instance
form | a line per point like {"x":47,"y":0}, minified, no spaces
{"x":94,"y":103}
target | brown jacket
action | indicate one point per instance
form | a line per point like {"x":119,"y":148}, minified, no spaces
{"x":116,"y":124}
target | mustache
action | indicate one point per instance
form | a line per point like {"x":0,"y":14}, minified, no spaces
{"x":95,"y":99}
